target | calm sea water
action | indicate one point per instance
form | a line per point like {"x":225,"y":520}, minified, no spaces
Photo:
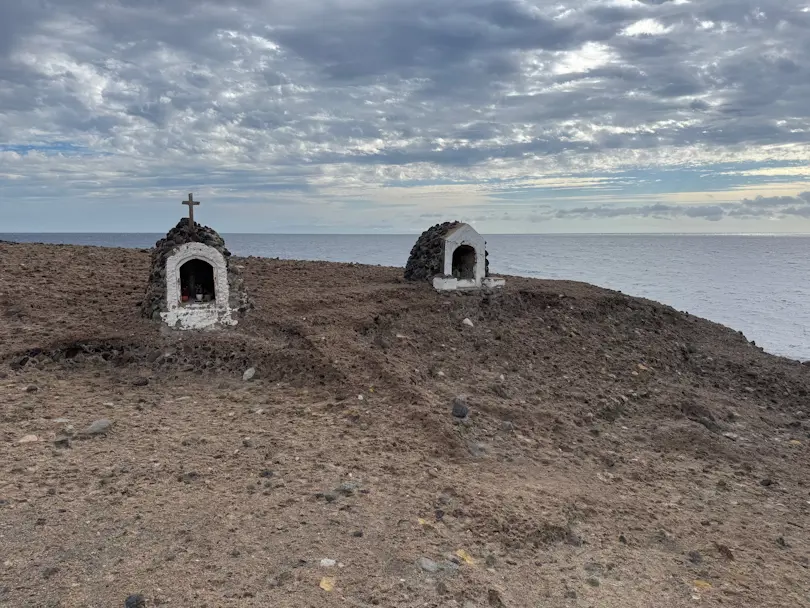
{"x":757,"y":284}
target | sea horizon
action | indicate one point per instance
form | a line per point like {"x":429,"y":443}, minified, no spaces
{"x":777,"y":234}
{"x":708,"y":275}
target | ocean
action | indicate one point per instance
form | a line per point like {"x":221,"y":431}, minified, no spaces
{"x":758,"y":284}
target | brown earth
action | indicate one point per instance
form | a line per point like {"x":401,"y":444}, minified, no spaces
{"x":618,"y":453}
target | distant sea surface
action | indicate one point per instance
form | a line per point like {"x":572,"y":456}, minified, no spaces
{"x":757,"y":284}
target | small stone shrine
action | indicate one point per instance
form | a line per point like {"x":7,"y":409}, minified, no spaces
{"x":192,"y":285}
{"x":452,"y":256}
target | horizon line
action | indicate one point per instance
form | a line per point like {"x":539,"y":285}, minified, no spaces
{"x":416,"y":233}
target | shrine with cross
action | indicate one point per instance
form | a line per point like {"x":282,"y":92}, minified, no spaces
{"x":192,"y":284}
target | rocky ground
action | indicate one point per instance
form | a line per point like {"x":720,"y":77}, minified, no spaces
{"x":615,"y":452}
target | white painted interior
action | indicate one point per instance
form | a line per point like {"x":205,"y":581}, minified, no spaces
{"x":197,"y":315}
{"x":465,"y":235}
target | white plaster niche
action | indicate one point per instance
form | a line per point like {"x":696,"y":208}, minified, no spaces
{"x":194,"y":270}
{"x":451,"y":256}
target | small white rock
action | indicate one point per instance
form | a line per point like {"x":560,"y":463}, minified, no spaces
{"x":360,"y":397}
{"x":328,"y":563}
{"x":249,"y":373}
{"x":29,"y":439}
{"x":468,"y":323}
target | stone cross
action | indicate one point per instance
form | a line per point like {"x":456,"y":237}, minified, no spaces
{"x":191,"y":203}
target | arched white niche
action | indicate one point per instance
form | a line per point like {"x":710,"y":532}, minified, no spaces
{"x":193,"y":314}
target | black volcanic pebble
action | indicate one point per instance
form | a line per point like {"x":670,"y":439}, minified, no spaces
{"x":460,"y":409}
{"x":135,"y":601}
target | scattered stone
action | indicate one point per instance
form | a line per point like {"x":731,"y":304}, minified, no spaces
{"x":279,"y":580}
{"x":266,"y":473}
{"x":782,"y":542}
{"x":428,"y":565}
{"x":99,"y":427}
{"x":494,"y":598}
{"x":29,"y":439}
{"x":347,"y":488}
{"x":62,"y":441}
{"x":724,"y":551}
{"x":766,"y":483}
{"x":468,"y":323}
{"x":49,"y":572}
{"x":135,"y":601}
{"x":571,"y":594}
{"x":501,"y":391}
{"x":441,"y":588}
{"x":327,"y":496}
{"x":460,"y":408}
{"x":188,"y":477}
{"x":328,"y":563}
{"x":249,"y":374}
{"x":695,"y":557}
{"x":357,"y":534}
{"x":593,"y":581}
{"x":507,"y":426}
{"x":31,"y":389}
{"x":491,"y":561}
{"x":140,"y":382}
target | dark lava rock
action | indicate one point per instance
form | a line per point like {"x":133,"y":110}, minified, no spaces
{"x":31,"y":389}
{"x":140,"y":382}
{"x":766,"y":483}
{"x":135,"y":601}
{"x":695,"y":557}
{"x":460,"y":409}
{"x":62,"y":441}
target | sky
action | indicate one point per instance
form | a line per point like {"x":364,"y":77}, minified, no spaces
{"x":388,"y":116}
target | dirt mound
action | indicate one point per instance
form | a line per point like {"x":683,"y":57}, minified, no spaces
{"x":617,"y":452}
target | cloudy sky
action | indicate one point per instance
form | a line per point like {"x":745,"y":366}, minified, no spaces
{"x":390,"y":115}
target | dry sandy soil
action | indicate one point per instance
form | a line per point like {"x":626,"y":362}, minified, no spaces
{"x":618,"y":453}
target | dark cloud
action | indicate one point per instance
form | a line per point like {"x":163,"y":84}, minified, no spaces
{"x":756,"y":208}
